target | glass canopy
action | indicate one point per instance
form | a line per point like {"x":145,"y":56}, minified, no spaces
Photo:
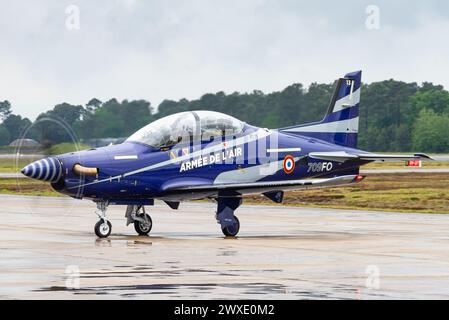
{"x":187,"y":126}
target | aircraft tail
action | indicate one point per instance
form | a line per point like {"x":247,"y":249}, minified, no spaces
{"x":341,"y":123}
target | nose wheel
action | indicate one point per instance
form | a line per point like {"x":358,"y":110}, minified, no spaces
{"x":103,"y":228}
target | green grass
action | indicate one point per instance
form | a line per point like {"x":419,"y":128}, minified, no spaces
{"x":65,"y":148}
{"x":415,"y":192}
{"x":11,"y":166}
{"x":27,"y":186}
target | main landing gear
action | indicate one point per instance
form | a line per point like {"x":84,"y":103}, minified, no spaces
{"x":230,"y":224}
{"x":142,"y":221}
{"x":135,"y":214}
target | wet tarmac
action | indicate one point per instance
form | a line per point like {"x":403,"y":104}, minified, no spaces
{"x":48,"y":251}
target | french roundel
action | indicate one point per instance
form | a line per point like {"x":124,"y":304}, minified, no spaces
{"x":289,"y":164}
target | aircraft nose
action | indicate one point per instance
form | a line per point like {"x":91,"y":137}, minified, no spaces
{"x":48,"y":169}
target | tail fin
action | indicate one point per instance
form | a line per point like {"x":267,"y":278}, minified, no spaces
{"x":341,"y":123}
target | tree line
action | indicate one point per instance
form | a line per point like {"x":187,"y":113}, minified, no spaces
{"x":394,"y":115}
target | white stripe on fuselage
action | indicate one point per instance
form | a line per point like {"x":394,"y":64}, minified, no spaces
{"x":284,"y":150}
{"x":259,"y":134}
{"x":132,"y":157}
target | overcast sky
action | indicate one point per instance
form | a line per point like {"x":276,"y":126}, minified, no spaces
{"x":153,"y":50}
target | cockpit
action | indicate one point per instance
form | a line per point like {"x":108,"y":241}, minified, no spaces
{"x":185,"y":127}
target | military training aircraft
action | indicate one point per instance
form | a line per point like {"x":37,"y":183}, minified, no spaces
{"x":209,"y":155}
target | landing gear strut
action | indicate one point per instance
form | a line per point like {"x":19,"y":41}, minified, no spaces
{"x":141,"y":220}
{"x":135,"y":214}
{"x":230,"y":225}
{"x":103,"y":227}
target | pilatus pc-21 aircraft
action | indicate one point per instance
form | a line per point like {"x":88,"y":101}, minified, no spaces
{"x":204,"y":154}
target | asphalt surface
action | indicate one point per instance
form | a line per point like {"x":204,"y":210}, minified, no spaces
{"x":48,"y":250}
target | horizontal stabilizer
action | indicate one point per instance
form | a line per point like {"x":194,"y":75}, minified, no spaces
{"x":342,"y":156}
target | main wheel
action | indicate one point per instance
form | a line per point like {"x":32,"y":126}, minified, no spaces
{"x":232,"y":230}
{"x":143,"y":228}
{"x":103,"y":229}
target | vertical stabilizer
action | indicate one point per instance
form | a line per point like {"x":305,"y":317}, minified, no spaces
{"x":341,"y":123}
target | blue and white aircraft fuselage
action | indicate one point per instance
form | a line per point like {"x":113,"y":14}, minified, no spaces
{"x":204,"y":154}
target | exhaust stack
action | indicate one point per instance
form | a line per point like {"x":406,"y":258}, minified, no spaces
{"x":87,"y":171}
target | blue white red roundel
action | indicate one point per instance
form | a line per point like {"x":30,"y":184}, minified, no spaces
{"x":289,"y":164}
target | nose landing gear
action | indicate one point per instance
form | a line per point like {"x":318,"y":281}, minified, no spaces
{"x":103,"y":227}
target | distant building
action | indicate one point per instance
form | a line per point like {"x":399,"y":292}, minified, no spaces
{"x":24,"y":143}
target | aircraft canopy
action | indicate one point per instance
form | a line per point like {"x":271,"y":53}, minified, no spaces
{"x":186,"y":127}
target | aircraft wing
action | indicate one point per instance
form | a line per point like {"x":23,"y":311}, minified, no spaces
{"x":342,"y":156}
{"x":260,"y":187}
